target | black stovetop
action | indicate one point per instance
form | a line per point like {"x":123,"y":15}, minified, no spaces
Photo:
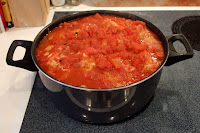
{"x":174,"y":108}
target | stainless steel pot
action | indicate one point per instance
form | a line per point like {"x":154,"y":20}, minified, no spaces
{"x":99,"y":105}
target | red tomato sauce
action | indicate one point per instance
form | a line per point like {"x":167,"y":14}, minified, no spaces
{"x":100,"y":51}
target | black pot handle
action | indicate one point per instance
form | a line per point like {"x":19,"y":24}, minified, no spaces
{"x":174,"y":56}
{"x":26,"y":62}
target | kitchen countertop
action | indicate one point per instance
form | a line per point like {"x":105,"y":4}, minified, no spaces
{"x":16,"y":83}
{"x":128,"y":3}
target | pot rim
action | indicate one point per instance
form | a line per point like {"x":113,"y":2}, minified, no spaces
{"x":109,"y":12}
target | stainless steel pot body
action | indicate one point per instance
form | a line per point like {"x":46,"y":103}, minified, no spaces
{"x":100,"y":105}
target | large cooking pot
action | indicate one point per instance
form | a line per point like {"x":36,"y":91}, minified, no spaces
{"x":99,"y":105}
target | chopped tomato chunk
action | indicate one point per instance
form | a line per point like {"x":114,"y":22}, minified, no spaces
{"x":104,"y":63}
{"x":90,"y":51}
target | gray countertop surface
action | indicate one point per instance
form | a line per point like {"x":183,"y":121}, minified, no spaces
{"x":175,"y":107}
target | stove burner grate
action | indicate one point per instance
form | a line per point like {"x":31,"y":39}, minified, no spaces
{"x":190,"y":27}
